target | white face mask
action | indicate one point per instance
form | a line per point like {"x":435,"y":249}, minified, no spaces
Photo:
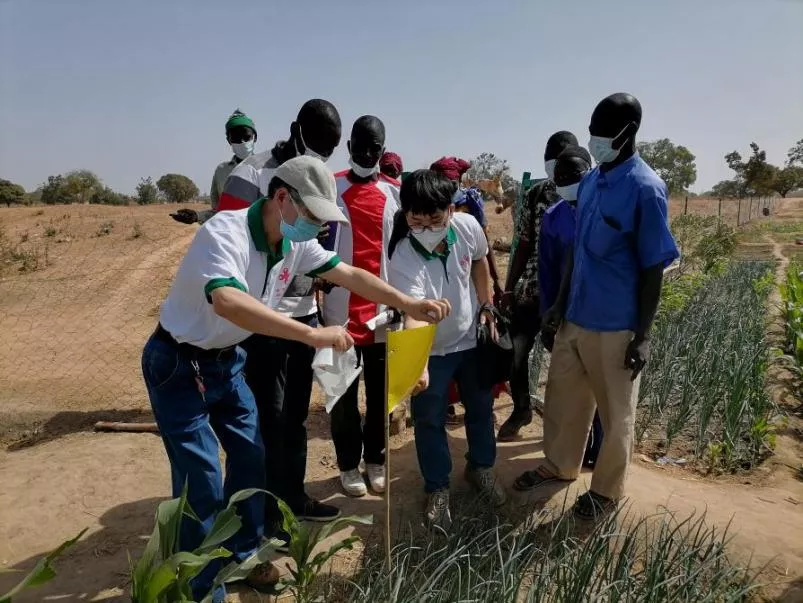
{"x":363,"y":172}
{"x":430,"y":239}
{"x":601,"y":148}
{"x":549,"y":168}
{"x":243,"y":149}
{"x":568,"y":192}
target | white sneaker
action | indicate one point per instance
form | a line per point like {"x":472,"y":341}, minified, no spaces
{"x":376,"y":477}
{"x":353,"y":483}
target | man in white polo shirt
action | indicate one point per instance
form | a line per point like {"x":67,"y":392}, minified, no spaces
{"x":235,"y":271}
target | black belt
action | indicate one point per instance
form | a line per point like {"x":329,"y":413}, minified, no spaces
{"x":192,"y":351}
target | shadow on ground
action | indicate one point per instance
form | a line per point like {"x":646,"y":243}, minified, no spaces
{"x":26,"y":429}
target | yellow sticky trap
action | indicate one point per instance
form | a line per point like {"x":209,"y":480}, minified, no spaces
{"x":408,"y":354}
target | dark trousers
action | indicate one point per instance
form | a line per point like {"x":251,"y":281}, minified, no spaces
{"x":279,"y":373}
{"x":352,"y":439}
{"x":524,"y":325}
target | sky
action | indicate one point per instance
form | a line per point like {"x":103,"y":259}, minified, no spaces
{"x":136,"y":88}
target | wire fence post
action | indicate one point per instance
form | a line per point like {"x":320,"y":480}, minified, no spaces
{"x":686,"y":206}
{"x":739,"y":214}
{"x":750,"y":210}
{"x":719,"y":213}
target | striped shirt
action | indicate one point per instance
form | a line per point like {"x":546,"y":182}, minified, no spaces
{"x":247,"y":183}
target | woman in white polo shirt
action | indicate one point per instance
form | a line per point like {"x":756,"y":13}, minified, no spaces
{"x":234,"y":273}
{"x":437,"y":252}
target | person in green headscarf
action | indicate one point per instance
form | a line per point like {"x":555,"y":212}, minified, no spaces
{"x":241,"y":134}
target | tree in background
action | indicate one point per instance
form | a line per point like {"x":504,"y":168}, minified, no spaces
{"x":147,"y":193}
{"x":54,"y":191}
{"x":673,"y":163}
{"x":11,"y":193}
{"x":108,"y":196}
{"x":788,"y":179}
{"x":725,"y":189}
{"x":754,"y":176}
{"x":488,"y":166}
{"x":177,"y":188}
{"x":795,"y":155}
{"x":80,"y":185}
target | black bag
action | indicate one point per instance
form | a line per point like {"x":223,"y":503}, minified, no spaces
{"x":495,"y":357}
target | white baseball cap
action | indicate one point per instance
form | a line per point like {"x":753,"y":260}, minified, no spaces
{"x":315,"y":184}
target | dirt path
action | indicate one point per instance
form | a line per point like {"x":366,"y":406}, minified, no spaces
{"x":113,"y":482}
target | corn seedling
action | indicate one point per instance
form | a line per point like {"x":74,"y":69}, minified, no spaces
{"x":303,"y":541}
{"x":163,"y":573}
{"x":42,"y":572}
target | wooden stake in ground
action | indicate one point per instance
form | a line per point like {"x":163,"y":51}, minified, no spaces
{"x":387,"y":468}
{"x":126,"y":427}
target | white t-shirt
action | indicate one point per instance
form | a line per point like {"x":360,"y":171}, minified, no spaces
{"x":231,"y":250}
{"x":430,"y":275}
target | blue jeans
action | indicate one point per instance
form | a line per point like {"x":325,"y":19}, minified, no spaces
{"x":191,"y":425}
{"x":429,"y":418}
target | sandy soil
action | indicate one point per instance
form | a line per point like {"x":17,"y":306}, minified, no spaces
{"x":70,"y":336}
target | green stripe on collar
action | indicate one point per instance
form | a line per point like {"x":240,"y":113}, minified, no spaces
{"x":451,"y":239}
{"x":256,"y":227}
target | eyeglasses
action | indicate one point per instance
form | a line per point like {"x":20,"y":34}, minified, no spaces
{"x":438,"y":228}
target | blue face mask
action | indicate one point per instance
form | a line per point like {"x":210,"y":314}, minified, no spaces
{"x":302,"y":230}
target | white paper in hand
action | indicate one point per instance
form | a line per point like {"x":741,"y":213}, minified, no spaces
{"x":335,"y":372}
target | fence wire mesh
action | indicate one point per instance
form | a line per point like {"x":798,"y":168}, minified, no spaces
{"x":80,"y":290}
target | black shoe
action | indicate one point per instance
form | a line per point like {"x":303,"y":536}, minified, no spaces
{"x":510,"y":428}
{"x":313,"y":510}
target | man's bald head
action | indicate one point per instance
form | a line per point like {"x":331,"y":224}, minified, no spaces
{"x":318,"y":125}
{"x":367,"y":142}
{"x":557,"y":143}
{"x":615,"y":113}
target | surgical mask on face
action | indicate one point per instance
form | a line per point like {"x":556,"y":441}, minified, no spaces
{"x":308,"y":151}
{"x":243,"y":149}
{"x":601,"y":148}
{"x":431,"y":238}
{"x":301,"y":230}
{"x":363,"y":172}
{"x":549,"y":168}
{"x":568,"y":192}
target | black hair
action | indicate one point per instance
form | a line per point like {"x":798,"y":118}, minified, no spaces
{"x":423,"y":192}
{"x":320,"y":127}
{"x":577,"y":152}
{"x":557,"y":142}
{"x":369,"y":123}
{"x":276,"y":183}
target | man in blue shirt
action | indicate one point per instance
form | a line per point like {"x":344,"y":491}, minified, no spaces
{"x":604,"y":310}
{"x":554,"y":245}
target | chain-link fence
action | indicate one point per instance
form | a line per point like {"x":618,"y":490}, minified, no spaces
{"x":80,"y":289}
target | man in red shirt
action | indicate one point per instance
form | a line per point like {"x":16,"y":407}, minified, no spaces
{"x":369,"y":199}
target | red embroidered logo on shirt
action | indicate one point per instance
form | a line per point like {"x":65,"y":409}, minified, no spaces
{"x":465,"y":262}
{"x":284,"y":276}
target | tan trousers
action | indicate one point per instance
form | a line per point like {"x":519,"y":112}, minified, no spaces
{"x":587,"y":371}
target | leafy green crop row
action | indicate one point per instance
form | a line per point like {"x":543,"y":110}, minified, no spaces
{"x":648,"y":560}
{"x":705,"y":380}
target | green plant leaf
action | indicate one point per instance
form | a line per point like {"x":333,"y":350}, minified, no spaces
{"x":342,"y":522}
{"x":168,"y":518}
{"x":241,"y":495}
{"x":324,"y":556}
{"x":43,"y":570}
{"x":226,"y":525}
{"x":239,"y":571}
